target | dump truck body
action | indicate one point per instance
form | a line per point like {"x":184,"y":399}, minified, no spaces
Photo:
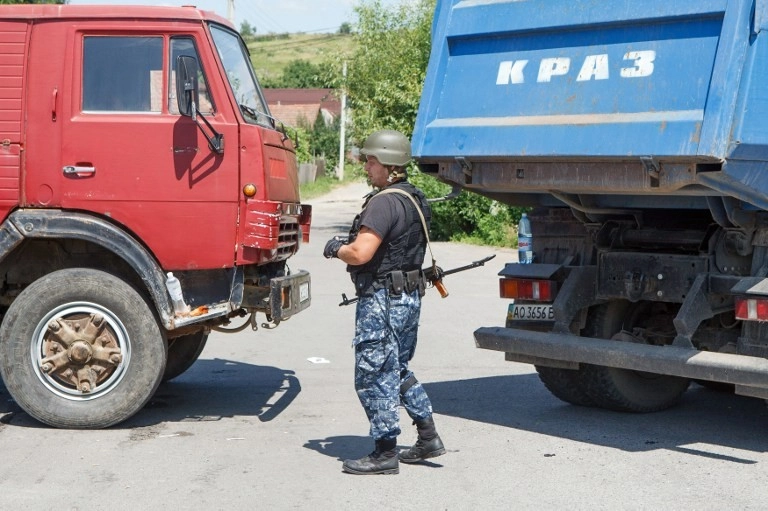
{"x":634,"y":131}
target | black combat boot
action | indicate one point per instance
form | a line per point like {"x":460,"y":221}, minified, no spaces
{"x":428,"y":445}
{"x":383,"y":460}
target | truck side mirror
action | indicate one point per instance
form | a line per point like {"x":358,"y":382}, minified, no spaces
{"x":188,"y":97}
{"x":187,"y":87}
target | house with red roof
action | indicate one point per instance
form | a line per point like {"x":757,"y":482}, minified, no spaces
{"x":295,"y":107}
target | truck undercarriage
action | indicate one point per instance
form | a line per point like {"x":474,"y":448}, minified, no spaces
{"x":642,"y":300}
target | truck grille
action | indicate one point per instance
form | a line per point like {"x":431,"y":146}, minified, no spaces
{"x":276,"y":229}
{"x":288,"y":239}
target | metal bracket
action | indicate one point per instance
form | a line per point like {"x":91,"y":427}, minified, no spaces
{"x":693,"y":312}
{"x":466,"y":168}
{"x":652,"y":168}
{"x":635,"y":285}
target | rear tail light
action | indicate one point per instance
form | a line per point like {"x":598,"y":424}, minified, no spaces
{"x":525,"y":289}
{"x":751,"y":309}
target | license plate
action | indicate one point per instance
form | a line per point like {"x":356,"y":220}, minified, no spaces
{"x":304,"y":292}
{"x":529,"y":312}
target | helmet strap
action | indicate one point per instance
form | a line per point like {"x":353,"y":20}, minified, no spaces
{"x":396,"y":174}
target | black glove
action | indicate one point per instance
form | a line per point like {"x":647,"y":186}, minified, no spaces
{"x":333,"y":246}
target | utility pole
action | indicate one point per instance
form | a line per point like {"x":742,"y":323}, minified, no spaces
{"x":231,"y":11}
{"x":342,"y":136}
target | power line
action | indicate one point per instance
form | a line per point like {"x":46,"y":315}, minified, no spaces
{"x":256,"y":15}
{"x":261,"y":15}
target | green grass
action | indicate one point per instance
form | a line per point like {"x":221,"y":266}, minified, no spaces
{"x":320,"y":187}
{"x":270,"y":54}
{"x":324,"y":185}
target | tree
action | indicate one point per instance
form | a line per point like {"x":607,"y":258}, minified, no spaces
{"x":325,"y":140}
{"x":345,"y":28}
{"x":385,"y":78}
{"x":302,"y":74}
{"x":247,"y":30}
{"x":387,"y":68}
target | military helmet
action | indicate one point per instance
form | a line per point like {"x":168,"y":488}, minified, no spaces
{"x":390,"y":147}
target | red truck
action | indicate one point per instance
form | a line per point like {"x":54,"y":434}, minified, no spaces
{"x":134,"y":142}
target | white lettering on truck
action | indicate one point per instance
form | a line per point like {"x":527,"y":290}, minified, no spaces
{"x":594,"y":67}
{"x":643,"y":61}
{"x":511,"y":71}
{"x":553,"y":67}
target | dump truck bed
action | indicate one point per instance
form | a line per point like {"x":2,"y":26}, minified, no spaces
{"x":598,"y":97}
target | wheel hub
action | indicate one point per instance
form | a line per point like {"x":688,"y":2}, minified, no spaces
{"x":80,"y":351}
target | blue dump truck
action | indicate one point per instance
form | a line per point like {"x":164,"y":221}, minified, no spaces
{"x":637,"y":133}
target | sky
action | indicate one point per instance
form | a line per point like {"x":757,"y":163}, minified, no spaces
{"x":278,"y":16}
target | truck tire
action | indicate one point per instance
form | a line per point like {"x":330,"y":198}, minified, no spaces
{"x":81,"y":348}
{"x":623,"y":389}
{"x":564,"y":384}
{"x":183,"y":352}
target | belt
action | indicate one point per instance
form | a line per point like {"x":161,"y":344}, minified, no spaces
{"x":395,"y":281}
{"x":408,"y":281}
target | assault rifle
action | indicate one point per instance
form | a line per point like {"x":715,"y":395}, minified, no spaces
{"x":434,"y":276}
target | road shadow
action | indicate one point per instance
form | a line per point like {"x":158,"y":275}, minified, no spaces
{"x":341,"y":447}
{"x":8,"y":407}
{"x":209,"y":391}
{"x":704,"y":416}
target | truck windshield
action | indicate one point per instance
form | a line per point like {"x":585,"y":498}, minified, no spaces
{"x":242,"y":79}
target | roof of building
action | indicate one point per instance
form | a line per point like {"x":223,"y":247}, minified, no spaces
{"x":297,"y":106}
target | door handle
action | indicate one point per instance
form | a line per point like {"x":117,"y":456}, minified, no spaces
{"x":70,"y":170}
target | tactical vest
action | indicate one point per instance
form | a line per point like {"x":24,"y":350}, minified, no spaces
{"x":404,"y":253}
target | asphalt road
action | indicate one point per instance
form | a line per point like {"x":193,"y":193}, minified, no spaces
{"x":263,"y":420}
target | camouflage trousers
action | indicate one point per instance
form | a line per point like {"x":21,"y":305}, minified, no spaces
{"x":386,"y":328}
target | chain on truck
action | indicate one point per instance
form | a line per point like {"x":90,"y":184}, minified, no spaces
{"x":645,"y":174}
{"x":136,"y":147}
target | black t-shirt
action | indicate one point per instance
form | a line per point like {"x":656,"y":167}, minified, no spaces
{"x":386,"y":216}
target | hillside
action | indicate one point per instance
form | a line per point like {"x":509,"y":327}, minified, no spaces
{"x":270,"y":54}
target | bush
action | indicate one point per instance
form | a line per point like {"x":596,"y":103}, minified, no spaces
{"x":318,"y":140}
{"x":301,"y":138}
{"x":469,"y":218}
{"x":325,"y":140}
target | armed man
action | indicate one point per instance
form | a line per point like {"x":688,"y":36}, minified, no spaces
{"x":384,"y":254}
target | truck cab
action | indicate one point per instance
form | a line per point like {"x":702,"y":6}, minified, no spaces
{"x":136,"y":141}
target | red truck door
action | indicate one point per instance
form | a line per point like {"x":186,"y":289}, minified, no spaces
{"x":126,"y":152}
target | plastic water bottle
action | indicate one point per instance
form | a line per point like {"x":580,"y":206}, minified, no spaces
{"x":177,"y":297}
{"x":525,"y":240}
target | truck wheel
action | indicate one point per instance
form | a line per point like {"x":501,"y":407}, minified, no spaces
{"x":80,"y":348}
{"x":183,"y":351}
{"x":622,"y":389}
{"x":565,"y":385}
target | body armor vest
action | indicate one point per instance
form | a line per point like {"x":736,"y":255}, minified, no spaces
{"x":403,"y":253}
